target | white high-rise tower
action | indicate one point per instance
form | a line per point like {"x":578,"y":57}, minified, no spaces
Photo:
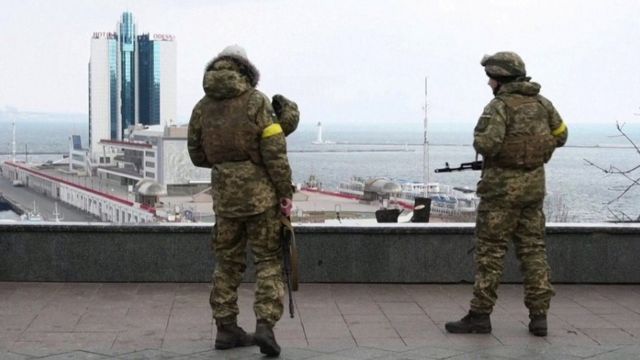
{"x":157,"y":79}
{"x":104,"y":92}
{"x":132,"y":80}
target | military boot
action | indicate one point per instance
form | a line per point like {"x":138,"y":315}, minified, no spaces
{"x":538,"y":324}
{"x":230,"y":335}
{"x":265,"y":339}
{"x":471,"y":323}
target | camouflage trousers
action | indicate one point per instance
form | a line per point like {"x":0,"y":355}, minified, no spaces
{"x":230,"y":239}
{"x":496,"y":225}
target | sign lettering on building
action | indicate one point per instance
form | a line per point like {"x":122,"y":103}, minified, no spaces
{"x":164,"y":37}
{"x":104,"y":35}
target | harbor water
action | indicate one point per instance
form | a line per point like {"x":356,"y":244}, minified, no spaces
{"x":579,"y":191}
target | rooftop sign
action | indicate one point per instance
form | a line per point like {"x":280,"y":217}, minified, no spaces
{"x":104,"y":35}
{"x":164,"y":37}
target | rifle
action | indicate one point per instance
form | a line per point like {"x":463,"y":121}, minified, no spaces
{"x":289,"y":258}
{"x":474,"y":165}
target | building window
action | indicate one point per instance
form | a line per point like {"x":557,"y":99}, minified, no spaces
{"x":150,"y":164}
{"x":149,"y":154}
{"x":150,"y":175}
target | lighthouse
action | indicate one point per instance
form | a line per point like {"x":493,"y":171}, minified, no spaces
{"x":319,"y":137}
{"x":319,"y":140}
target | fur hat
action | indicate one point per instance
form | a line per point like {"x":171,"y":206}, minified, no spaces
{"x":238,"y":55}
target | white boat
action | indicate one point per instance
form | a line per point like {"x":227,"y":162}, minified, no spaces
{"x":353,"y":186}
{"x":445,"y":200}
{"x":32,"y":215}
{"x":57,"y":216}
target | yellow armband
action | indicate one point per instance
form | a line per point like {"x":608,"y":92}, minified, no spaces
{"x":271,"y":130}
{"x":559,"y":130}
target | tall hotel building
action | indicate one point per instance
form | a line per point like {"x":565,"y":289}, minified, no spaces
{"x":132,"y":80}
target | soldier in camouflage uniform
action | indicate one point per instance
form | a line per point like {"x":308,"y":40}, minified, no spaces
{"x":235,"y":131}
{"x":516,"y":135}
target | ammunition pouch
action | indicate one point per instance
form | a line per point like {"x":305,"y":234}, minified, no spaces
{"x":528,"y":143}
{"x":232,"y":142}
{"x":525,"y":152}
{"x":228,"y":135}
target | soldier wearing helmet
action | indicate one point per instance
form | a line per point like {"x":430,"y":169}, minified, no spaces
{"x":516,"y":135}
{"x":235,"y":131}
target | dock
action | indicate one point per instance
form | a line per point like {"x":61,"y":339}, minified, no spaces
{"x":24,"y":199}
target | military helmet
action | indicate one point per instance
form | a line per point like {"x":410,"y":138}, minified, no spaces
{"x":503,"y":64}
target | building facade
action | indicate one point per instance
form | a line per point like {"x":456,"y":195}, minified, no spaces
{"x":132,"y":80}
{"x":104,"y":89}
{"x":127,"y":63}
{"x":154,"y":153}
{"x":157,"y":79}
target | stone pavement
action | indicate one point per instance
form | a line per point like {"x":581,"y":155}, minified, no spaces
{"x":333,"y":322}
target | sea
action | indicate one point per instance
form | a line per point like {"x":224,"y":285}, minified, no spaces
{"x":576,"y":190}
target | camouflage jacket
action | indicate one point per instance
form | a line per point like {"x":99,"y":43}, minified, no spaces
{"x":240,"y":187}
{"x":497,"y":124}
{"x":287,"y":112}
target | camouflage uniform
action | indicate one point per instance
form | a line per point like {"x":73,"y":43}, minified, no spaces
{"x":516,"y":134}
{"x":234,"y":131}
{"x":287,"y":113}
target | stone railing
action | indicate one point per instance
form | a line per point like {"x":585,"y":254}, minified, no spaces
{"x":398,"y":253}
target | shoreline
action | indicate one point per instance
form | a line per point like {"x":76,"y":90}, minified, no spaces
{"x":332,"y":150}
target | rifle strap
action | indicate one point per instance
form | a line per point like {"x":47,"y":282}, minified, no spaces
{"x":286,"y":222}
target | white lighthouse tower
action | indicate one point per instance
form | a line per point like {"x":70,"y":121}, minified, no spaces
{"x":319,"y":137}
{"x":319,"y":140}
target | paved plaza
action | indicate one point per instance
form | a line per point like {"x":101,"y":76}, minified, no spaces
{"x":333,"y":322}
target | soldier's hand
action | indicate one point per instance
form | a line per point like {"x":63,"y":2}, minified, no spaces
{"x":285,"y":206}
{"x":278,"y":102}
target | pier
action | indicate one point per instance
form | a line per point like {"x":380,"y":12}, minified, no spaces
{"x":22,"y":199}
{"x":102,"y":200}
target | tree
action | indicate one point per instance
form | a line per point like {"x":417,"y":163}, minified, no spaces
{"x":556,"y":209}
{"x":629,"y":174}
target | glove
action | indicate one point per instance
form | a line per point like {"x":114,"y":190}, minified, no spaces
{"x":278,"y":102}
{"x":285,"y":206}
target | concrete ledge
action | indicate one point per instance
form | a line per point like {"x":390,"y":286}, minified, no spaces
{"x":396,"y":253}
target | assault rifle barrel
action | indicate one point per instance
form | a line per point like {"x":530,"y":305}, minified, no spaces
{"x":473,"y":165}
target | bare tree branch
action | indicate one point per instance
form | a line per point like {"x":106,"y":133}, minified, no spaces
{"x":633,"y":183}
{"x":612,"y":169}
{"x":621,"y":216}
{"x":619,"y":127}
{"x":597,"y":167}
{"x":615,"y":216}
{"x":626,"y":190}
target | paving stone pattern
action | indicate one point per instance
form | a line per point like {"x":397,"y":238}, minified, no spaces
{"x":65,"y":321}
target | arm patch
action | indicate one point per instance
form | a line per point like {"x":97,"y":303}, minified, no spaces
{"x":271,"y":130}
{"x":559,"y":130}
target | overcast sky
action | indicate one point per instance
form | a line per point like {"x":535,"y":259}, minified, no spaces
{"x":346,"y":63}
